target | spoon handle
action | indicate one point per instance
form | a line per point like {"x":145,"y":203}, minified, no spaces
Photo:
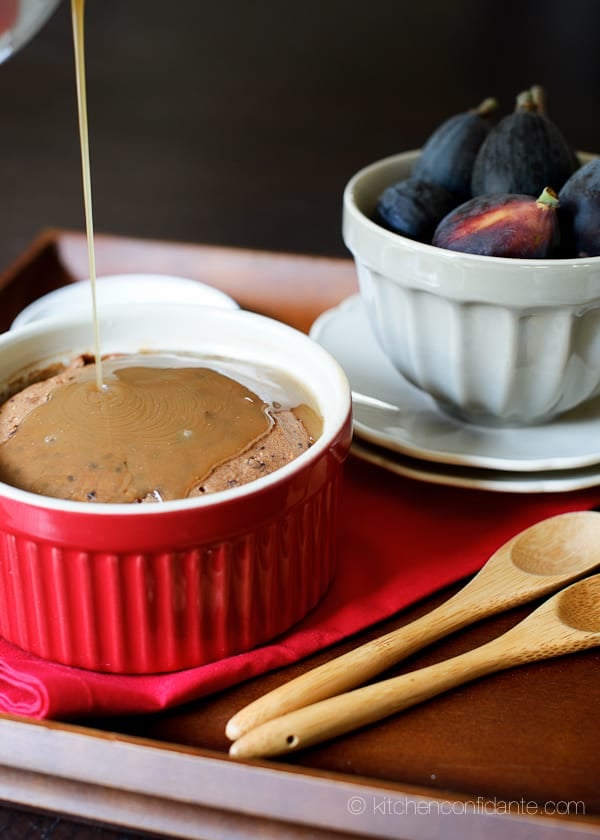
{"x":483,"y":595}
{"x":541,"y":636}
{"x":358,"y":665}
{"x":338,"y":715}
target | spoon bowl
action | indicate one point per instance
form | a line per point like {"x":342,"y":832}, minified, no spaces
{"x":579,"y":605}
{"x":557,"y":546}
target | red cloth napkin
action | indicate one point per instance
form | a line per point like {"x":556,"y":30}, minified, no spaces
{"x":401,"y":540}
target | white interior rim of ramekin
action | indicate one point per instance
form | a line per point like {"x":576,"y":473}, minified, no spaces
{"x":359,"y":217}
{"x":319,"y":368}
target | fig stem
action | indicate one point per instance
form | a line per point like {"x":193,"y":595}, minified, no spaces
{"x":538,"y":94}
{"x":488,"y":106}
{"x":548,"y":198}
{"x":526,"y":102}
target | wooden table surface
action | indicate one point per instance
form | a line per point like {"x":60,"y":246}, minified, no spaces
{"x":237,"y":125}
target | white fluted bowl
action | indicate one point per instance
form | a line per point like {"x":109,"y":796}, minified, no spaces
{"x":493,"y":340}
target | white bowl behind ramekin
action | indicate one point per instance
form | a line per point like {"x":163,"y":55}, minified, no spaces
{"x":144,"y":588}
{"x":493,"y":340}
{"x":124,"y":289}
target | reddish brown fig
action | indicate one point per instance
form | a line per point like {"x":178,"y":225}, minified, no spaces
{"x":506,"y":225}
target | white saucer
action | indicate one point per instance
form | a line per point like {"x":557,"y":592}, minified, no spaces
{"x":127,"y":289}
{"x":498,"y":481}
{"x":392,"y":413}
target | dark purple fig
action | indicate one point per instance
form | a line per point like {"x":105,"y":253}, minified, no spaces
{"x":448,"y":155}
{"x":523,"y":153}
{"x":579,"y":212}
{"x":413,"y":208}
{"x":506,"y":225}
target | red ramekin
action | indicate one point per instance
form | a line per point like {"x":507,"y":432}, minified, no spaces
{"x":161,"y":587}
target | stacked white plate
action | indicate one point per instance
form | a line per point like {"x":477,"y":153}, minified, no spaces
{"x":403,"y":429}
{"x":125,"y":289}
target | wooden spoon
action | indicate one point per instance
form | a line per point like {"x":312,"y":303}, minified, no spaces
{"x":568,"y":621}
{"x":537,"y":561}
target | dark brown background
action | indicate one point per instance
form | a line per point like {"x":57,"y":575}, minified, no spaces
{"x":239,"y":122}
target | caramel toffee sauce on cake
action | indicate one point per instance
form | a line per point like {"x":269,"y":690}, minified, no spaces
{"x":155,"y":431}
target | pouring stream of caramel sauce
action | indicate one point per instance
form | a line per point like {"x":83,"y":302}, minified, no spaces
{"x":77,"y":15}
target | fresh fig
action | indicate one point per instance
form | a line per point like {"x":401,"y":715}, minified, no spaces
{"x":524,"y":152}
{"x":414,"y":208}
{"x":505,"y":225}
{"x":579,"y":212}
{"x":448,"y":155}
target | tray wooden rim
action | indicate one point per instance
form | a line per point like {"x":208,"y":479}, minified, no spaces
{"x":136,"y":782}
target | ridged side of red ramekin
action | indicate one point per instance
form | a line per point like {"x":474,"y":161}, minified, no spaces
{"x":163,"y":611}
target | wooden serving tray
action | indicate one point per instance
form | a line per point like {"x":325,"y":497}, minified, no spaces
{"x":514,"y":755}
